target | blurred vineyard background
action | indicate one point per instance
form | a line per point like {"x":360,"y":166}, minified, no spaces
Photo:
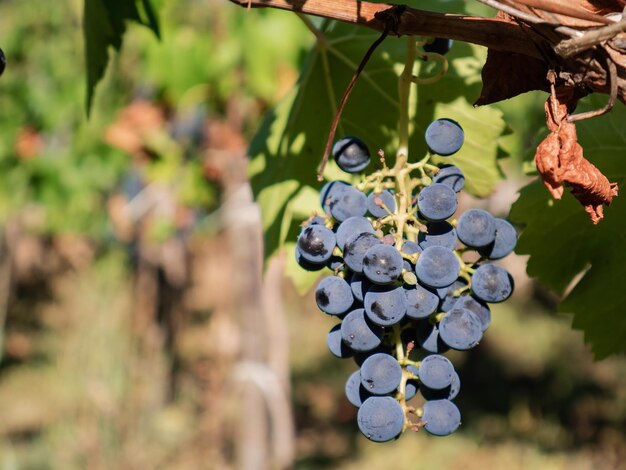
{"x":133,"y":318}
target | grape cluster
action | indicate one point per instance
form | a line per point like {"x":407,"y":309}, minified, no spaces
{"x":409,"y":282}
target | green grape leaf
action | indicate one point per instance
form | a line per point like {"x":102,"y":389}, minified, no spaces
{"x":104,"y":24}
{"x":287,"y":149}
{"x":566,"y":249}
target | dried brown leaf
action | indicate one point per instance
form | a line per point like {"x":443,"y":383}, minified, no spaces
{"x":560,"y":161}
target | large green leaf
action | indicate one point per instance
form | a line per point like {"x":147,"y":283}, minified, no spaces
{"x":287,"y":149}
{"x":563,"y":243}
{"x":104,"y":24}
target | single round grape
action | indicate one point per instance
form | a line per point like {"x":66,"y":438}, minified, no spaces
{"x":381,"y":374}
{"x":355,"y":248}
{"x":439,"y":45}
{"x":460,"y":329}
{"x":442,"y":417}
{"x":450,"y":175}
{"x":437,"y":202}
{"x":346,"y":202}
{"x":444,"y":137}
{"x":385,"y":197}
{"x":304,"y":264}
{"x":492,"y":284}
{"x":328,"y":192}
{"x":385,"y":305}
{"x":439,"y":234}
{"x":478,"y":308}
{"x":436,"y":372}
{"x":336,"y":345}
{"x":380,"y":419}
{"x":352,"y":227}
{"x":382,"y":264}
{"x":334,"y":295}
{"x":355,"y":393}
{"x":351,"y":154}
{"x":476,"y":228}
{"x":504,"y":243}
{"x":316,"y":243}
{"x":420,"y":301}
{"x":437,"y":267}
{"x":359,"y":333}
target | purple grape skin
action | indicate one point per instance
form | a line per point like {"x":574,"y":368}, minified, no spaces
{"x":381,"y":374}
{"x":444,"y":137}
{"x":355,"y":249}
{"x":448,"y":393}
{"x":504,"y":243}
{"x":347,"y":202}
{"x":492,"y":284}
{"x":437,"y":202}
{"x":421,"y":302}
{"x":316,"y":243}
{"x":428,"y":337}
{"x":480,"y":309}
{"x":352,"y":227}
{"x":439,"y":234}
{"x":336,"y":345}
{"x":380,"y":419}
{"x":304,"y":264}
{"x":359,"y":333}
{"x":386,"y":197}
{"x":437,"y":267}
{"x":436,"y":372}
{"x":355,"y":392}
{"x":460,"y":329}
{"x":382,"y":264}
{"x":359,"y":285}
{"x":452,"y":176}
{"x":385,"y":305}
{"x":334,"y":295}
{"x":476,"y":228}
{"x":328,"y":192}
{"x":351,"y":154}
{"x":442,"y":417}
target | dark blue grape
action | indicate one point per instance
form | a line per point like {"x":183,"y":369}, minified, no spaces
{"x":450,"y":175}
{"x":427,"y":335}
{"x":437,"y":202}
{"x":382,"y":264}
{"x":410,"y":247}
{"x":346,"y":202}
{"x":476,"y":228}
{"x":506,"y":239}
{"x":359,"y":333}
{"x":477,"y":307}
{"x":386,"y":197}
{"x":492,"y":284}
{"x":328,"y":192}
{"x":381,"y":374}
{"x":333,"y":295}
{"x":439,"y":46}
{"x":380,"y":419}
{"x":421,"y":301}
{"x":355,"y":248}
{"x":437,"y":267}
{"x":355,"y":393}
{"x":304,"y":264}
{"x":336,"y":345}
{"x":436,"y":372}
{"x":439,"y":234}
{"x":316,"y":243}
{"x":335,"y":263}
{"x":351,"y":154}
{"x":359,"y":285}
{"x":460,"y":329}
{"x":448,"y":393}
{"x":385,"y":305}
{"x":442,"y":417}
{"x":412,"y":385}
{"x":444,"y":137}
{"x":352,"y":227}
